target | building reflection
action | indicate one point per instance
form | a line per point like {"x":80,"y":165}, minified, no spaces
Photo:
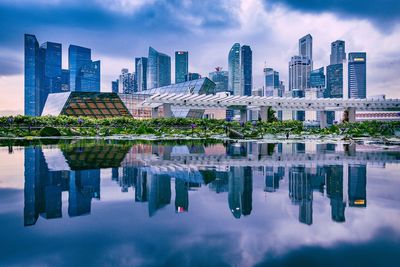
{"x":153,"y":172}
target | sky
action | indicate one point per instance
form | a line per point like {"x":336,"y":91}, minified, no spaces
{"x":117,"y":31}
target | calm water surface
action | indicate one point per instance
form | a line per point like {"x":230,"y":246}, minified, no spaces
{"x":109,"y":203}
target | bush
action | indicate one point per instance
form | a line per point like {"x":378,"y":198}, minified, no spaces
{"x":49,"y":131}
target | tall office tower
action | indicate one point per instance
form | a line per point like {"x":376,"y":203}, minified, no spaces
{"x":181,"y":66}
{"x":299,"y":73}
{"x":357,"y":72}
{"x":181,"y":196}
{"x":271,"y":82}
{"x":317,"y":78}
{"x":42,"y":73}
{"x":141,"y":74}
{"x":51,"y":56}
{"x":158,"y":69}
{"x":220,"y":78}
{"x":338,"y":52}
{"x":234,"y":70}
{"x":334,"y":190}
{"x":88,"y":77}
{"x":192,"y":76}
{"x":246,"y":69}
{"x":126,"y":82}
{"x":305,"y":47}
{"x":32,"y":77}
{"x":114,"y":86}
{"x":65,"y":81}
{"x":77,"y":57}
{"x":357,"y":184}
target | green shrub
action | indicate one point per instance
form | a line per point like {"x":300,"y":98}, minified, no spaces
{"x":49,"y":131}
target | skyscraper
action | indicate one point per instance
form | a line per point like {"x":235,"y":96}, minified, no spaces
{"x":42,"y":73}
{"x":271,"y":82}
{"x":126,"y":82}
{"x":299,"y":73}
{"x":158,"y":69}
{"x":220,"y":78}
{"x":234,"y":70}
{"x":338,"y":52}
{"x":246,"y":69}
{"x":317,"y":78}
{"x":65,"y":80}
{"x":51,"y":53}
{"x":181,"y":66}
{"x":88,"y":77}
{"x":77,"y":57}
{"x":141,"y":74}
{"x":305,"y":47}
{"x":357,"y":75}
{"x":32,"y":74}
{"x":114,"y":86}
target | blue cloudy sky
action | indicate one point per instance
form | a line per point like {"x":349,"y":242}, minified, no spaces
{"x":120,"y":30}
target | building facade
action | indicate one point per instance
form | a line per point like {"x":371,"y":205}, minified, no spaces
{"x":141,"y":74}
{"x":246,"y":68}
{"x":338,"y":52}
{"x":220,"y":78}
{"x":357,"y":71}
{"x":88,"y":77}
{"x":158,"y":69}
{"x":51,"y":62}
{"x":271,"y":83}
{"x":181,"y":66}
{"x":126,"y":82}
{"x":299,"y":73}
{"x":192,"y":76}
{"x":31,"y":78}
{"x":64,"y":80}
{"x":305,"y":47}
{"x":234,"y":70}
{"x":114,"y":86}
{"x":77,"y":57}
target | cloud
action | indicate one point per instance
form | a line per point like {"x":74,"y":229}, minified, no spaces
{"x":382,"y":13}
{"x":10,"y":65}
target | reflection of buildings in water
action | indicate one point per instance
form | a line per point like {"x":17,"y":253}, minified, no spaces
{"x":334,"y":190}
{"x":159,"y":192}
{"x":240,"y":191}
{"x":357,"y":183}
{"x":221,"y":182}
{"x":182,"y":196}
{"x":273,"y":177}
{"x":300,"y":192}
{"x":43,"y":188}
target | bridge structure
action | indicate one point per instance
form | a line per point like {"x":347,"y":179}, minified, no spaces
{"x":244,"y":103}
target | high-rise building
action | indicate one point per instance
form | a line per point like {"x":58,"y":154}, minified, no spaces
{"x":334,"y":81}
{"x":181,"y":66}
{"x":158,"y":69}
{"x":317,"y":78}
{"x":234,"y":70}
{"x":246,"y":69}
{"x":299,"y":73}
{"x":357,"y":71}
{"x":88,"y":77}
{"x":305,"y":47}
{"x":192,"y":76}
{"x":65,"y":81}
{"x":77,"y":57}
{"x":220,"y":78}
{"x":32,"y":77}
{"x":51,"y":56}
{"x":338,"y":52}
{"x":42,"y":73}
{"x":114,"y":86}
{"x":126,"y":82}
{"x":271,"y":82}
{"x":357,"y":184}
{"x":141,"y":74}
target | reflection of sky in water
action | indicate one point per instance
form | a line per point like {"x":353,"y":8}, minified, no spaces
{"x":119,"y":231}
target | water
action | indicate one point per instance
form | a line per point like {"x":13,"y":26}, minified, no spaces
{"x":109,"y":203}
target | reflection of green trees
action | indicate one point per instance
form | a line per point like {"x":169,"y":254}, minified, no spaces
{"x":20,"y":126}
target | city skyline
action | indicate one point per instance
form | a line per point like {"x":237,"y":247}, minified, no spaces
{"x":273,"y":44}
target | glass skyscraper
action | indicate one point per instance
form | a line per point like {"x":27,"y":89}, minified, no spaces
{"x":32,"y":82}
{"x":317,"y":78}
{"x":77,"y":57}
{"x":51,"y":53}
{"x":338,"y":52}
{"x":141,"y":73}
{"x":64,"y":80}
{"x":305,"y":47}
{"x":299,"y":73}
{"x":234,"y":70}
{"x":246,"y":68}
{"x":158,"y":69}
{"x":220,"y":78}
{"x":181,"y":65}
{"x":42,"y":73}
{"x":88,"y":77}
{"x":271,"y":83}
{"x":357,"y":75}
